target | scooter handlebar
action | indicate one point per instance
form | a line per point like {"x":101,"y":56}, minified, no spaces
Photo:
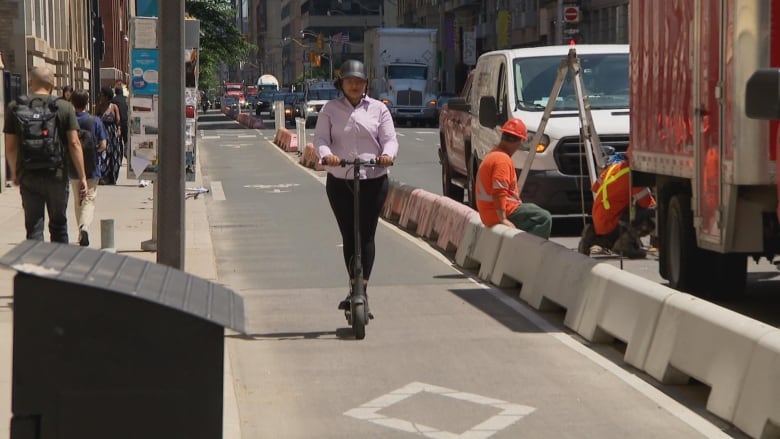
{"x":371,"y":163}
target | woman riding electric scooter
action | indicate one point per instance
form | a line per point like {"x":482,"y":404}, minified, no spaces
{"x":352,"y":127}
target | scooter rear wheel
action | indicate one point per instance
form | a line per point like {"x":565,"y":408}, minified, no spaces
{"x":359,"y":317}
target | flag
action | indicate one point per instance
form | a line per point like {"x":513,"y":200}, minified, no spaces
{"x":345,"y":38}
{"x":336,"y":38}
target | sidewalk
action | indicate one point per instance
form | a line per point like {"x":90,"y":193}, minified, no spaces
{"x":130,"y":207}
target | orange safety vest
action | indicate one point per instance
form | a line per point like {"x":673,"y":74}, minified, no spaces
{"x":612,"y":198}
{"x":496,"y":186}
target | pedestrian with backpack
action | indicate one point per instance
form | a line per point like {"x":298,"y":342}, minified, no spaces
{"x":93,"y":137}
{"x":41,"y":136}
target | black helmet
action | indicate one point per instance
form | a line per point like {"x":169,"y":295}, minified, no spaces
{"x":353,"y":68}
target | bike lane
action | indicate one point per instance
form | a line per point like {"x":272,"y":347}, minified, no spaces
{"x":445,"y":356}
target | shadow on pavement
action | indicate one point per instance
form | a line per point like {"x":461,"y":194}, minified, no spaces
{"x":492,"y":307}
{"x":340,"y":333}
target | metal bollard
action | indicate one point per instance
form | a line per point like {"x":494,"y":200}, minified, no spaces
{"x":107,"y":235}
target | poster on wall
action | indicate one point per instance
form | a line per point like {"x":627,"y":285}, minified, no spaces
{"x":144,"y":130}
{"x":145,"y":69}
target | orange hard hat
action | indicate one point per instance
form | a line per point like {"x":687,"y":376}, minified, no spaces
{"x":515,"y":127}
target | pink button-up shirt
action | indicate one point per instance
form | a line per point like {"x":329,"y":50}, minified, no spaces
{"x":365,"y":131}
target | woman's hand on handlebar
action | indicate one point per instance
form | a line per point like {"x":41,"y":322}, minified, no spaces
{"x":331,"y":160}
{"x":384,"y":161}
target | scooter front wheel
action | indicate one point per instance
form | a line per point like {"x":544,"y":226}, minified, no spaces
{"x":359,"y":318}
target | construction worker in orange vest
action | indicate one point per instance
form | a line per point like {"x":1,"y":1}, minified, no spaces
{"x":611,"y":231}
{"x":497,"y":194}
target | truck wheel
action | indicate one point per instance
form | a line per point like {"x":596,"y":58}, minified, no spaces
{"x":694,"y":270}
{"x":684,"y":261}
{"x":472,"y":182}
{"x":449,"y":190}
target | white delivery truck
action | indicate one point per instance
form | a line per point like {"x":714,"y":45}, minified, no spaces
{"x":403,"y":71}
{"x":267,"y":83}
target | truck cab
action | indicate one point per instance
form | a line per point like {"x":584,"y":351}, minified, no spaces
{"x":517,"y":83}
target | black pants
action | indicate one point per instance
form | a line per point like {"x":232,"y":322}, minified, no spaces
{"x":45,"y":191}
{"x":373,"y":193}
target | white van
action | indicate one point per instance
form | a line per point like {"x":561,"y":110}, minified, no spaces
{"x":519,"y":81}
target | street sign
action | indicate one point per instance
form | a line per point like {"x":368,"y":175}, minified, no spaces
{"x":571,"y":14}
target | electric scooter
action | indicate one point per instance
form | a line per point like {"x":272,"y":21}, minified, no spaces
{"x":357,"y":314}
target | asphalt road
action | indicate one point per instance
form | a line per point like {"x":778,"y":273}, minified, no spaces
{"x":446,"y":356}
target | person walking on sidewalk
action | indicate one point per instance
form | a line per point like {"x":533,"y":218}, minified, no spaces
{"x":349,"y":127}
{"x":85,"y":207}
{"x":108,"y":112}
{"x":497,"y":194}
{"x":121,"y":103}
{"x":43,"y":186}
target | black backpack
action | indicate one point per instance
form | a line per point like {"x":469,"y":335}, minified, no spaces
{"x":40,"y":144}
{"x":88,"y":147}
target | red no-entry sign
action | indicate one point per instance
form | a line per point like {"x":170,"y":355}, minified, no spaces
{"x":571,"y":14}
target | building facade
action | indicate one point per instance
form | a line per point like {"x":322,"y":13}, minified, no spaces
{"x":114,"y":66}
{"x":38,"y":33}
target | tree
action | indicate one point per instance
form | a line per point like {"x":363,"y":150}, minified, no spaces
{"x":221,"y":41}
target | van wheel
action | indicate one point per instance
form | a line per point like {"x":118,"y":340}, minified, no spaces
{"x":449,"y":190}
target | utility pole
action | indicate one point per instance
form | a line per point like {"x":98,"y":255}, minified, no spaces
{"x":170,"y":180}
{"x":559,"y":24}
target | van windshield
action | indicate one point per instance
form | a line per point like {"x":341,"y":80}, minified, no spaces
{"x":605,"y":77}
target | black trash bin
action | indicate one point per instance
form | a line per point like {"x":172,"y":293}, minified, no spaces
{"x":109,"y":346}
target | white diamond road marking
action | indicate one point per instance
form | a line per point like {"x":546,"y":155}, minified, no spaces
{"x":510,"y":413}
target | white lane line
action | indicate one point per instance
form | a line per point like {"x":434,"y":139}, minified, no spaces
{"x":217,"y":193}
{"x":231,"y":422}
{"x":418,"y":139}
{"x":680,"y":411}
{"x":400,"y":134}
{"x":246,"y":135}
{"x":209,"y":137}
{"x":425,"y":132}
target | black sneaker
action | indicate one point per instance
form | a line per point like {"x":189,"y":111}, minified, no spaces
{"x":344,"y":304}
{"x":84,"y":238}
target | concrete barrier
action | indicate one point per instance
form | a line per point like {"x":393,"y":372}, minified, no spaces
{"x":758,"y":408}
{"x":621,"y":305}
{"x":468,"y":244}
{"x":696,"y":338}
{"x":518,"y":261}
{"x":559,"y":281}
{"x":482,"y":251}
{"x":397,"y":200}
{"x":450,"y":223}
{"x":431,"y":215}
{"x":417,"y":210}
{"x":310,"y":159}
{"x":283,"y":138}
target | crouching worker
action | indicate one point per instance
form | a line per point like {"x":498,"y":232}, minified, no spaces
{"x":497,"y":194}
{"x":612,"y":231}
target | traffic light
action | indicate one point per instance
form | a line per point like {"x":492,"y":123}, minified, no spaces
{"x":320,"y":42}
